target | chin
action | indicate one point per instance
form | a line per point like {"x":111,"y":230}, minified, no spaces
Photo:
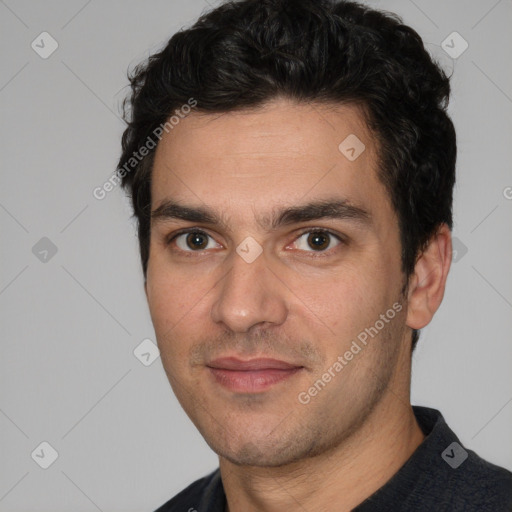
{"x":266,"y":452}
{"x":252,"y":455}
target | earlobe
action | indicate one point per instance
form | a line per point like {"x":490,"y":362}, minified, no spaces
{"x":428,"y":282}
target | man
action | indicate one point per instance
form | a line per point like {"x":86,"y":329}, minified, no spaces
{"x":291,"y":167}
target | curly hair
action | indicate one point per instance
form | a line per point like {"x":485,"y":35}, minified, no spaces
{"x":245,"y":53}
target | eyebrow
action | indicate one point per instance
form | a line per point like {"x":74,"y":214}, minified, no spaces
{"x":338,"y":209}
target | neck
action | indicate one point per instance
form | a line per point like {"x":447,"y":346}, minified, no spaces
{"x":336,"y":480}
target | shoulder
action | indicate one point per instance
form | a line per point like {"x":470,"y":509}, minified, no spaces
{"x":204,"y":495}
{"x":480,"y":485}
{"x":456,"y":477}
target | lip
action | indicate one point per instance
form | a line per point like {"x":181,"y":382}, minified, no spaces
{"x":251,"y":376}
{"x":261,"y":363}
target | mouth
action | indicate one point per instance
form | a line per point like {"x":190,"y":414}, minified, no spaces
{"x":252,"y":376}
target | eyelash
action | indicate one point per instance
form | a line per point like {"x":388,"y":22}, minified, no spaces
{"x":312,"y":254}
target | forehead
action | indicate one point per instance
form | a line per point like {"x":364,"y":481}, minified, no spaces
{"x":282,"y":153}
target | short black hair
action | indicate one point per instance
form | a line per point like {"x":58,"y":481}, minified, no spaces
{"x":245,"y":53}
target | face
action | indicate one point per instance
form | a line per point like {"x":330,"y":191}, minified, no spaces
{"x":274,"y":278}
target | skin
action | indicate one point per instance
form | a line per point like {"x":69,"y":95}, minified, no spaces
{"x":293,"y":303}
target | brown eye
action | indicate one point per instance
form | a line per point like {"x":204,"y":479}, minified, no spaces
{"x":317,"y":241}
{"x":194,"y":241}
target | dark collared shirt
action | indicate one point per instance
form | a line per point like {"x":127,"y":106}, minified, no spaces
{"x":441,"y":475}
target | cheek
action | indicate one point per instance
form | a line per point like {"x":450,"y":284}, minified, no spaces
{"x":166,"y":299}
{"x":344,"y":298}
{"x":171,"y":291}
{"x":178,"y":302}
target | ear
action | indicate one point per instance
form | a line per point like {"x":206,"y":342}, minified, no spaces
{"x":427,"y":283}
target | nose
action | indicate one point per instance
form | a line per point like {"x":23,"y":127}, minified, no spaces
{"x":250,"y":294}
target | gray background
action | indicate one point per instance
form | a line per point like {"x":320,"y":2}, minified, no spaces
{"x":70,"y":323}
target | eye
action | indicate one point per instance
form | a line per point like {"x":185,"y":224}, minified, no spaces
{"x":194,"y":241}
{"x":317,"y":240}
